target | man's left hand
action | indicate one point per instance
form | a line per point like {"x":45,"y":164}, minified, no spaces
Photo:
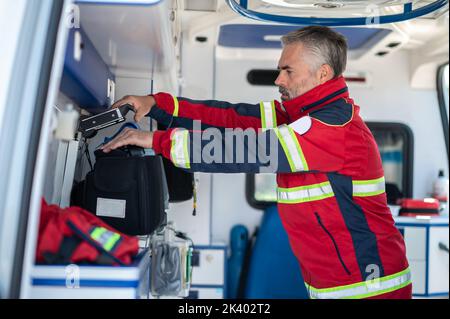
{"x":130,"y":137}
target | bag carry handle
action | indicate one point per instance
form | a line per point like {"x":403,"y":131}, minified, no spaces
{"x":131,"y":125}
{"x":134,"y":150}
{"x":131,"y":150}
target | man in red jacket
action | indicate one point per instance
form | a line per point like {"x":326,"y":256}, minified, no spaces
{"x":331,"y":187}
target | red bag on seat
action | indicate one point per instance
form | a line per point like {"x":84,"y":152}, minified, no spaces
{"x":419,"y":207}
{"x":73,"y":235}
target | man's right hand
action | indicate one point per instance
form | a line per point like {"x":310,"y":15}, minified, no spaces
{"x":141,"y":104}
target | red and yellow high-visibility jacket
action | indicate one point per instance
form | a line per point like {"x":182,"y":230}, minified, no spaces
{"x":331,"y":187}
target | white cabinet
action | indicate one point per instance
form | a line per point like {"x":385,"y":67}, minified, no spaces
{"x":425,"y":241}
{"x":208,"y":273}
{"x":92,"y":281}
{"x":206,"y":293}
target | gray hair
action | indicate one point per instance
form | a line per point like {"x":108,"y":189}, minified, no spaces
{"x":326,"y":45}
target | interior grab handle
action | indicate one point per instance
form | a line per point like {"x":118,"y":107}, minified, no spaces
{"x":443,"y":247}
{"x":408,"y":13}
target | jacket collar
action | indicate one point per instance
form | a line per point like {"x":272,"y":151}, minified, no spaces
{"x":316,"y":98}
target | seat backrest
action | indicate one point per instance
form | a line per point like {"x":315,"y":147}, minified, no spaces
{"x":273,"y":270}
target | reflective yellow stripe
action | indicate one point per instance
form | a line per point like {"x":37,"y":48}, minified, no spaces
{"x":365,"y":289}
{"x":98,"y":232}
{"x":292,"y":148}
{"x":107,"y":239}
{"x":299,"y":149}
{"x":364,"y":188}
{"x":305,"y":194}
{"x":179,"y":151}
{"x":263,"y":115}
{"x":176,"y":106}
{"x":111,"y":242}
{"x":268,"y":115}
{"x":274,"y":115}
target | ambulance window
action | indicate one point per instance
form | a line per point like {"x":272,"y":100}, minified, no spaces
{"x":442,"y":87}
{"x":262,"y":77}
{"x":261,"y":190}
{"x":395,"y":143}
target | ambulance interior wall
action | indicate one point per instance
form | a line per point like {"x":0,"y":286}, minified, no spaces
{"x":390,"y":98}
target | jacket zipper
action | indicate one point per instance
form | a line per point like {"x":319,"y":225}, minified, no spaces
{"x":334,"y":243}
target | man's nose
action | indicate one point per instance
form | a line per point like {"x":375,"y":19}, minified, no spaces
{"x":279,"y":80}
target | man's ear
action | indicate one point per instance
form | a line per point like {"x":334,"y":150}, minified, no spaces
{"x":326,"y":73}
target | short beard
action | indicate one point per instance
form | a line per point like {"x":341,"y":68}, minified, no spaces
{"x":284,"y":91}
{"x":304,"y":87}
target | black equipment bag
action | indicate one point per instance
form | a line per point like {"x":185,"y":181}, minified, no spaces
{"x":179,"y":182}
{"x":127,"y":190}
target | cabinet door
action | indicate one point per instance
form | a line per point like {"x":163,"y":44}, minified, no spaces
{"x":438,"y":260}
{"x":210,"y":268}
{"x":418,"y":276}
{"x":415,"y":241}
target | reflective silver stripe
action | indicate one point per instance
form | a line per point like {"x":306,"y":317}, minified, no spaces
{"x":179,"y":151}
{"x":268,"y":116}
{"x":364,"y":289}
{"x":304,"y":194}
{"x":363,"y":188}
{"x":291,"y":148}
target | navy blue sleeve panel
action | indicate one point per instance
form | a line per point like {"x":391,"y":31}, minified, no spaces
{"x":161,"y":116}
{"x":235,"y":151}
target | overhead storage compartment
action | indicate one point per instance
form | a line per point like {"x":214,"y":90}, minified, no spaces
{"x":86,"y":78}
{"x":114,"y":39}
{"x":131,"y":35}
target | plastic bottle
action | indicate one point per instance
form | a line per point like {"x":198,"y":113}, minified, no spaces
{"x":67,"y":123}
{"x":440,"y":187}
{"x":440,"y":192}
